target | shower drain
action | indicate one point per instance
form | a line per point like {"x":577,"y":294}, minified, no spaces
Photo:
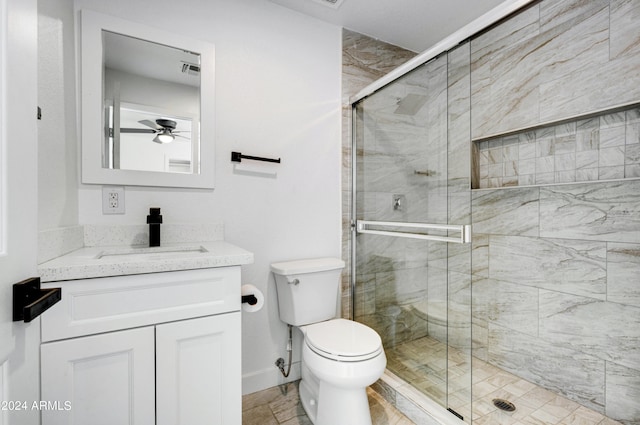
{"x":505,"y":405}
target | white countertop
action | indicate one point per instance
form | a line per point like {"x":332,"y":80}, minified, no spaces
{"x":103,"y":261}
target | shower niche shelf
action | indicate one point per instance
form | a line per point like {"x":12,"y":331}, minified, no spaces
{"x":593,"y":147}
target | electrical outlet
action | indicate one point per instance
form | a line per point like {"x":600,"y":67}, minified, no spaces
{"x":112,"y":200}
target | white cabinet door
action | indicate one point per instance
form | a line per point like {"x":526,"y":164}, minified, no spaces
{"x":105,"y":379}
{"x":198,"y":377}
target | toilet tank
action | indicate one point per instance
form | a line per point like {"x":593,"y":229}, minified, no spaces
{"x":307,"y":289}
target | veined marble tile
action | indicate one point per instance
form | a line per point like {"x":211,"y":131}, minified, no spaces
{"x":480,"y":255}
{"x":500,"y":212}
{"x":481,"y":304}
{"x":577,"y":45}
{"x":459,"y":257}
{"x":519,"y":28}
{"x":586,"y":174}
{"x":571,"y":266}
{"x":575,"y":35}
{"x":556,"y":12}
{"x":577,"y":376}
{"x":623,"y":394}
{"x":508,"y":97}
{"x":437,"y":284}
{"x":611,"y":156}
{"x":503,"y":80}
{"x":480,"y":334}
{"x":587,"y":159}
{"x":623,"y":273}
{"x":388,"y":173}
{"x":632,"y":170}
{"x":413,"y":412}
{"x":588,"y":135}
{"x":363,"y":55}
{"x":632,"y":154}
{"x":625,"y":32}
{"x":606,"y":330}
{"x":599,"y":211}
{"x":509,"y":305}
{"x":365,"y":294}
{"x":576,"y":92}
{"x":377,"y":254}
{"x":612,"y":120}
{"x":459,"y":114}
{"x":611,"y":173}
{"x":402,"y":286}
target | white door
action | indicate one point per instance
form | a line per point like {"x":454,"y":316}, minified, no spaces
{"x":105,"y":379}
{"x":198,"y":377}
{"x":19,"y":341}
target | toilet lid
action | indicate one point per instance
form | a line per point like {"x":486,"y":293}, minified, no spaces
{"x":344,"y":340}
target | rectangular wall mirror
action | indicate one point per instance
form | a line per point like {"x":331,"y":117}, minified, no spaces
{"x":147,"y":105}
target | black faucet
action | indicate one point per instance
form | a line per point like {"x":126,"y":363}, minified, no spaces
{"x":154,"y":219}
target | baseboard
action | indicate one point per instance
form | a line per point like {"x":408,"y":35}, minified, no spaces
{"x":267,"y":378}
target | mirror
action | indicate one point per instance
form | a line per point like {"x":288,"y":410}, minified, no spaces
{"x":147,"y":105}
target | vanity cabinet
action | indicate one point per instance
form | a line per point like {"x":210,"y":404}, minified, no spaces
{"x":159,"y":348}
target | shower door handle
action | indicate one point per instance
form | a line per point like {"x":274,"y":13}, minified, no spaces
{"x":376,"y":228}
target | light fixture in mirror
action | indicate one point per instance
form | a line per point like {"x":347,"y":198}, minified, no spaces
{"x":150,"y":140}
{"x":147,"y":105}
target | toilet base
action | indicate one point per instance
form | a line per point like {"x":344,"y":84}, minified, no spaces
{"x":347,"y":407}
{"x":344,"y":406}
{"x":308,"y":400}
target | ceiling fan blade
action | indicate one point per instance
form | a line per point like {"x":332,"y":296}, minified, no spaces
{"x":150,"y":123}
{"x":182,"y":137}
{"x":138,"y":130}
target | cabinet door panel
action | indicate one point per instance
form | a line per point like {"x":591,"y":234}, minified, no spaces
{"x":198,"y":371}
{"x":106,"y":379}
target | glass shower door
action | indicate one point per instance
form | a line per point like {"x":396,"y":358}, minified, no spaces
{"x":412,"y":261}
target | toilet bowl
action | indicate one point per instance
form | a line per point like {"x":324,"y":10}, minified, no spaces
{"x":340,"y":357}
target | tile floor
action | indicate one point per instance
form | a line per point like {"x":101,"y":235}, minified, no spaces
{"x":281,"y":406}
{"x":422,"y":362}
{"x":415,"y":360}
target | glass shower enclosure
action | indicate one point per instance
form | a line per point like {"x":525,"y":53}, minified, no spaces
{"x":411,"y":273}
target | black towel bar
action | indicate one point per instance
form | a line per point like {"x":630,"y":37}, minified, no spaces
{"x":237,"y":157}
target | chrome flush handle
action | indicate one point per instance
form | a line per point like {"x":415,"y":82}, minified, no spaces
{"x":294,"y":282}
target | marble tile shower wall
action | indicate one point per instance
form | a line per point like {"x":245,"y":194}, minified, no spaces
{"x":557,"y":59}
{"x":555,"y":269}
{"x":400,"y":281}
{"x":601,"y":148}
{"x":364,"y":60}
{"x":556,"y":294}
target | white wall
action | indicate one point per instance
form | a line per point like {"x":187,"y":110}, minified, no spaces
{"x":277,"y":95}
{"x":57,"y":131}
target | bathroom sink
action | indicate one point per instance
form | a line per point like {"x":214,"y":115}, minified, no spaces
{"x":155,"y":253}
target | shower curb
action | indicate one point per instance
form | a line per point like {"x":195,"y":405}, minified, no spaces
{"x":411,"y":403}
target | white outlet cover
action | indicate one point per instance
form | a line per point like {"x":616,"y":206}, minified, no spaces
{"x":116,"y":192}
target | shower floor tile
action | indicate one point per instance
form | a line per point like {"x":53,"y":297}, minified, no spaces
{"x":413,"y":361}
{"x":534,"y":405}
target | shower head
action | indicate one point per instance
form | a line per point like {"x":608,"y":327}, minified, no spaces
{"x":410,"y":104}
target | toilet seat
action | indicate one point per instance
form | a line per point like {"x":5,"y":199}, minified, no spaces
{"x":343,"y":340}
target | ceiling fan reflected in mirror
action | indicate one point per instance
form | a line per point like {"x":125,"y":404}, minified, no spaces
{"x":164,"y":129}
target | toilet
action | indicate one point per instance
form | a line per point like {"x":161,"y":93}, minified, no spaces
{"x":340,"y":357}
